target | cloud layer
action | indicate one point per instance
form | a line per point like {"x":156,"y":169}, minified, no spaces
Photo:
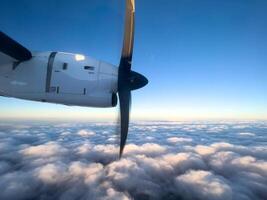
{"x":213,"y":161}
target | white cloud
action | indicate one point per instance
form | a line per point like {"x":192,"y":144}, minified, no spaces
{"x":249,"y":163}
{"x":204,"y":150}
{"x":51,"y":173}
{"x":178,"y":139}
{"x":48,"y":149}
{"x":85,"y":133}
{"x":181,"y":162}
{"x":90,"y":172}
{"x":203,"y":185}
{"x":247,"y":134}
{"x":65,"y":133}
{"x":46,"y":166}
{"x":147,"y":149}
{"x":84,"y":148}
{"x":115,"y":195}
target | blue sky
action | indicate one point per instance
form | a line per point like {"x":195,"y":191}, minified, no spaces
{"x":204,"y":59}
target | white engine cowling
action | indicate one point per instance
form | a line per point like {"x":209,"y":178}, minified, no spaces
{"x":63,"y":78}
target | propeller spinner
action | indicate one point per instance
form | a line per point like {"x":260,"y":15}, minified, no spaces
{"x":128,"y":80}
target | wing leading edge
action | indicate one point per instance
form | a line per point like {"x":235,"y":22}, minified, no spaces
{"x":13,"y":49}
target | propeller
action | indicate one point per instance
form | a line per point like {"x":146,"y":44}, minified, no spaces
{"x":128,"y":80}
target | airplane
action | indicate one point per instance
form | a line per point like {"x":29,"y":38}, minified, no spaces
{"x":72,"y":79}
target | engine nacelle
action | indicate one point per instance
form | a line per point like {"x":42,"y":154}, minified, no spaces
{"x":63,"y":78}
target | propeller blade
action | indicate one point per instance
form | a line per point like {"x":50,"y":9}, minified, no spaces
{"x":124,"y":87}
{"x":13,"y":49}
{"x":127,"y":79}
{"x":127,"y":50}
{"x":125,"y":104}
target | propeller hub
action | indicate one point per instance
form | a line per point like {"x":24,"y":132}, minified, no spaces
{"x":137,"y":80}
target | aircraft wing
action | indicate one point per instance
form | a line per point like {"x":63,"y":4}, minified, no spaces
{"x":11,"y":51}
